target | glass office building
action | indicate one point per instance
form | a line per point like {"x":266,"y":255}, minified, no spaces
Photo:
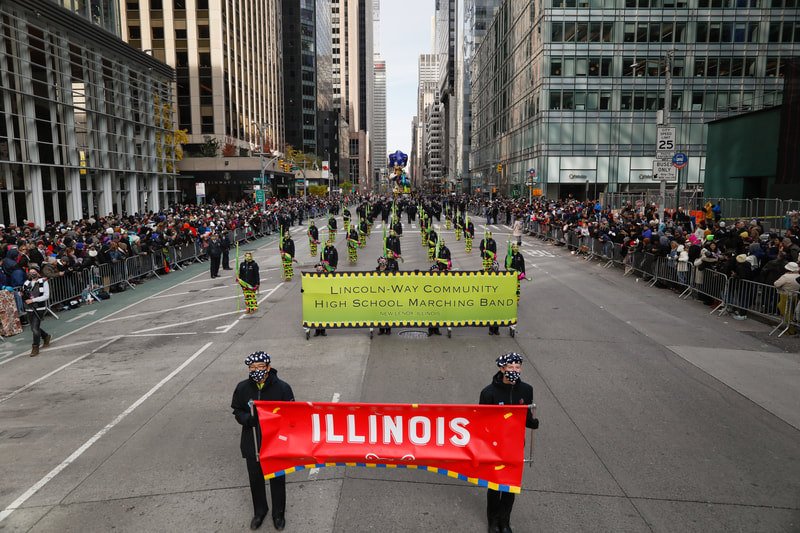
{"x":85,"y":119}
{"x":572,"y":88}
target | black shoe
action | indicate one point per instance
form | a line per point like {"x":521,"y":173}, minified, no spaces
{"x":493,"y":527}
{"x":280,"y":522}
{"x":256,"y":522}
{"x":388,"y":331}
{"x":316,"y":333}
{"x":505,"y":529}
{"x":430,"y":333}
{"x":324,"y":333}
{"x":437,"y":332}
{"x":380,"y":331}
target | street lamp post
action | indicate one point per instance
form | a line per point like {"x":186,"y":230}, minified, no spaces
{"x":261,"y":127}
{"x":667,"y":63}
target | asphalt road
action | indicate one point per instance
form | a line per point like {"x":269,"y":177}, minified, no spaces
{"x":655,"y":416}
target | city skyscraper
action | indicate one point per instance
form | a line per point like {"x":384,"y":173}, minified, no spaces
{"x":478,"y":15}
{"x":228,"y":59}
{"x":85,"y":121}
{"x":377,"y":130}
{"x":445,"y":39}
{"x":308,"y":97}
{"x":573,"y":90}
{"x":353,"y":82}
{"x":378,"y":134}
{"x":426,"y":170}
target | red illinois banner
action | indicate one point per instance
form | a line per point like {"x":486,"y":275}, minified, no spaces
{"x":480,"y":444}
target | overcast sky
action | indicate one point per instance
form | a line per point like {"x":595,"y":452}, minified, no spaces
{"x":405,"y":34}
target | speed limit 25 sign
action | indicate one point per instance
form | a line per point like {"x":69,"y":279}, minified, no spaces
{"x":665,"y":143}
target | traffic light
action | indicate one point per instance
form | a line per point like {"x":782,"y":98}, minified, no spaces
{"x":499,"y":167}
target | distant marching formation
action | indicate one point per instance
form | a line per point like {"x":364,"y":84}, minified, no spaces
{"x":356,"y":235}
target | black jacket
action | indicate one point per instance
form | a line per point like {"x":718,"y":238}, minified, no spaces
{"x":274,"y":390}
{"x":393,"y":244}
{"x":248,"y":272}
{"x":518,"y":262}
{"x":214,"y":248}
{"x":500,"y":393}
{"x":331,"y":256}
{"x":288,"y":247}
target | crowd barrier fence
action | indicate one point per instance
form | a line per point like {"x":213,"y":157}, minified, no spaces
{"x":86,"y":283}
{"x":726,"y":294}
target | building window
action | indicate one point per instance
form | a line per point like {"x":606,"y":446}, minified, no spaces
{"x":134,"y":32}
{"x":726,"y":32}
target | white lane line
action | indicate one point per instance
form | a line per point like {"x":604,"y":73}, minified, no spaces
{"x":97,"y":436}
{"x":226,"y":329}
{"x":192,"y":292}
{"x":160,"y":334}
{"x":45,"y":350}
{"x":107,"y":317}
{"x":312,"y":473}
{"x":59,"y":369}
{"x":269,"y":293}
{"x":203,"y":318}
{"x":126,"y":317}
{"x":88,"y":313}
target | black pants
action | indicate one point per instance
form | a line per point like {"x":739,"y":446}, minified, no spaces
{"x":498,"y":507}
{"x":35,"y":321}
{"x":277,"y":488}
{"x":214,"y":265}
{"x":226,"y":259}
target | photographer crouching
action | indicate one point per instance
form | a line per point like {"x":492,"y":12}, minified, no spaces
{"x":35,"y":293}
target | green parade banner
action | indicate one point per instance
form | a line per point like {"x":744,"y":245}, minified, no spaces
{"x":394,"y":299}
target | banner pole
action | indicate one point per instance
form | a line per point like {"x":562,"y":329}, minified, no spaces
{"x":530,"y":436}
{"x":237,"y":277}
{"x":255,"y":437}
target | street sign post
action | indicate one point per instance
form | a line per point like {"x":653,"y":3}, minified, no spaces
{"x":259,"y":196}
{"x":665,"y":143}
{"x":679,"y":160}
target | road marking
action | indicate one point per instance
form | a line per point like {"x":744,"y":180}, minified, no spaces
{"x":226,"y":329}
{"x":97,"y":436}
{"x":44,"y":350}
{"x":126,"y":317}
{"x":59,"y":369}
{"x":538,"y":253}
{"x":203,"y":318}
{"x":190,"y":292}
{"x":88,"y":313}
{"x":159,"y":334}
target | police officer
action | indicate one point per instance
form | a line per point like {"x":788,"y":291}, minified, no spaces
{"x":262,"y":384}
{"x":506,"y":389}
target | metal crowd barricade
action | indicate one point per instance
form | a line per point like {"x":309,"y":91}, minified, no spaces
{"x":112,"y":274}
{"x":673,"y":272}
{"x":752,"y":297}
{"x":643,"y":263}
{"x":137,"y":267}
{"x":714,"y":285}
{"x":68,"y":287}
